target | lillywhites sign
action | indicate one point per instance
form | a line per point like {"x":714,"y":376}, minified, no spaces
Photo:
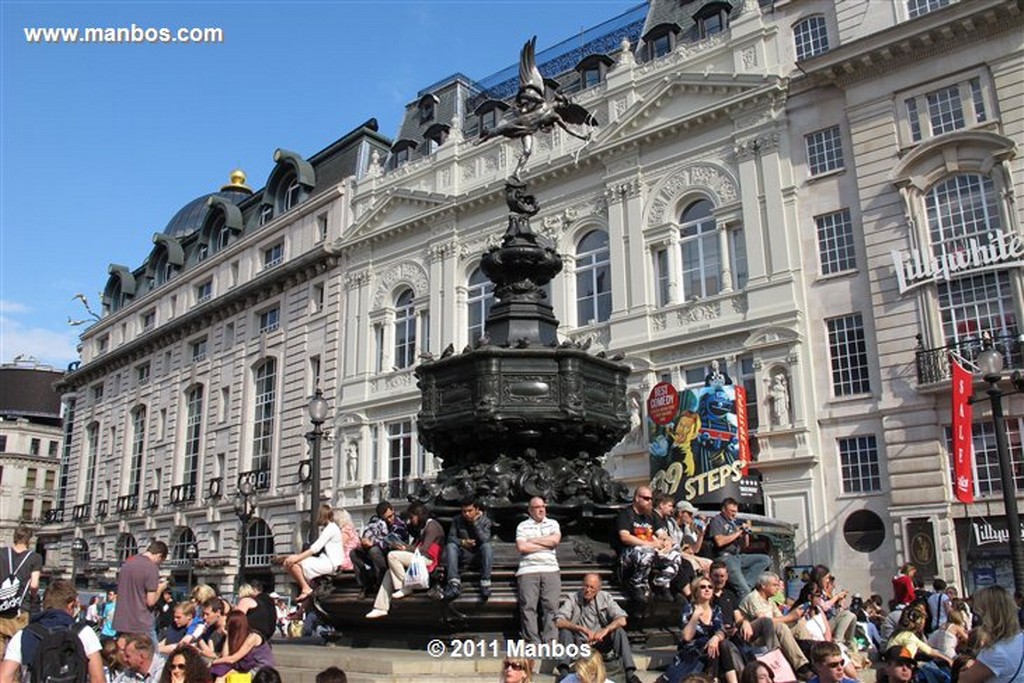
{"x":919,"y":267}
{"x":985,"y":533}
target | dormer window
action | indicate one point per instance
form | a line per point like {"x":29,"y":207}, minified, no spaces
{"x":401,"y":151}
{"x":592,"y":69}
{"x":266,"y":213}
{"x":712,"y":18}
{"x":225,"y":236}
{"x":291,"y":194}
{"x":426,"y":106}
{"x":436,"y":135}
{"x":660,"y":40}
{"x":203,"y":251}
{"x":490,"y":112}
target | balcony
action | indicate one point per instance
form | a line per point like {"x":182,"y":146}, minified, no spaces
{"x":54,"y":516}
{"x":80,"y":513}
{"x":101,"y":509}
{"x":182,"y":494}
{"x":127,"y":504}
{"x":152,"y":499}
{"x":933,"y":364}
{"x":260,"y":479}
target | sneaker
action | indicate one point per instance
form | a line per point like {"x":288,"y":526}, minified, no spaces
{"x":452,"y":591}
{"x":435,"y":593}
{"x":485,"y":593}
{"x":399,"y":594}
{"x":376,"y":613}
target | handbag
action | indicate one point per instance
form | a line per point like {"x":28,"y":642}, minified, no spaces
{"x":776,"y":661}
{"x":416,"y":576}
{"x":238,"y":677}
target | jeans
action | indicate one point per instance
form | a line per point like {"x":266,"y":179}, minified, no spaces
{"x":456,"y":557}
{"x":744,"y":570}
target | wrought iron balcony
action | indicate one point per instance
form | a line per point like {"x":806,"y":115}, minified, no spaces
{"x":933,"y":364}
{"x":80,"y":512}
{"x":126,"y":504}
{"x":260,"y":479}
{"x":215,"y":488}
{"x":152,"y":499}
{"x":101,"y":509}
{"x":54,"y":516}
{"x":182,"y":494}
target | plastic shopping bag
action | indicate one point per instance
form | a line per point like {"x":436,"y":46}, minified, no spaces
{"x":416,"y":577}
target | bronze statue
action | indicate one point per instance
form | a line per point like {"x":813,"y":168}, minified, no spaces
{"x":538,"y":107}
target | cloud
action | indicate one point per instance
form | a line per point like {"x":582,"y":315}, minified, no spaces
{"x":8,"y":307}
{"x":47,"y":346}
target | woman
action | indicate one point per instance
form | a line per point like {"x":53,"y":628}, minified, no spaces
{"x":704,"y":646}
{"x":322,"y":558}
{"x":185,"y":666}
{"x":1001,"y":658}
{"x":948,"y":637}
{"x":429,"y":539}
{"x":842,"y":621}
{"x":516,"y":670}
{"x":267,"y":674}
{"x":757,"y":672}
{"x":244,"y":650}
{"x":589,"y":670}
{"x":814,"y":626}
{"x":349,"y":537}
{"x":910,"y":635}
{"x":692,"y":536}
{"x":903,"y":591}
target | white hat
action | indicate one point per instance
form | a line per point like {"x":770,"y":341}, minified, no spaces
{"x":275,"y":596}
{"x":686,"y":506}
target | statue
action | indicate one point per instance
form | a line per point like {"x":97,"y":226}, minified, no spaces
{"x":539,"y":107}
{"x":352,"y":462}
{"x":779,"y":392}
{"x":636,"y":428}
{"x":716,"y":377}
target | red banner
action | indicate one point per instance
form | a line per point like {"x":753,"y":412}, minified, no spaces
{"x":963,"y":466}
{"x":742,"y":428}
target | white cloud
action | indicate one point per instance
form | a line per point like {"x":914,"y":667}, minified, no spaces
{"x":8,"y":307}
{"x":47,"y":346}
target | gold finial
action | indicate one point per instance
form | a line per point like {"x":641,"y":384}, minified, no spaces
{"x":237,"y":182}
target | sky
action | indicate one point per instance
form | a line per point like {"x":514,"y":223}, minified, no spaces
{"x":100,"y":144}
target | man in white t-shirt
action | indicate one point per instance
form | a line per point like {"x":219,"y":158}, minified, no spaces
{"x":60,"y":605}
{"x":538,"y":579}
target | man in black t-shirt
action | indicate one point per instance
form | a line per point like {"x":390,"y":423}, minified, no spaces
{"x":19,"y":574}
{"x":643,"y":556}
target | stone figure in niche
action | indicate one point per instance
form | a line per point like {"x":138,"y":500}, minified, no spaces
{"x":352,"y":461}
{"x":717,"y":377}
{"x":636,"y":426}
{"x":779,"y":392}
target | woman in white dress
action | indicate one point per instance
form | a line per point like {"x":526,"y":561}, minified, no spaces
{"x":320,"y":559}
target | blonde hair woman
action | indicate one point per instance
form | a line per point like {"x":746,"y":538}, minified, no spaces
{"x":1002,"y":654}
{"x":320,"y":559}
{"x":589,"y":670}
{"x":951,"y":634}
{"x":349,"y":537}
{"x":516,"y":670}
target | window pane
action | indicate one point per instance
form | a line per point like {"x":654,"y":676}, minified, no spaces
{"x":405,"y":330}
{"x":858,"y":461}
{"x":811,"y":37}
{"x":593,"y":279}
{"x":835,"y":242}
{"x":824,"y":151}
{"x":848,"y":353}
{"x":945,"y":110}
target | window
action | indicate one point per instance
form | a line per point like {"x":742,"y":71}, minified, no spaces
{"x":27,"y":508}
{"x":103,"y":343}
{"x":916,"y":8}
{"x":204,"y":291}
{"x":811,"y":37}
{"x":203,"y":251}
{"x":664,"y":277}
{"x":125,"y":546}
{"x":263,"y":423}
{"x":314,"y":373}
{"x":51,"y":449}
{"x":199,"y":350}
{"x":179,"y":548}
{"x":31,"y":474}
{"x":659,"y":45}
{"x":225,"y":403}
{"x":849,"y":355}
{"x":65,"y":459}
{"x":292,"y":194}
{"x":712,"y":19}
{"x":34,"y":446}
{"x":824,"y":151}
{"x":259,"y":545}
{"x":593,"y":279}
{"x":266,"y":213}
{"x":987,"y":474}
{"x":274,"y":255}
{"x":138,"y":451}
{"x":316,"y":297}
{"x":489,"y":119}
{"x":702,"y":262}
{"x":148,"y":320}
{"x":590,"y":77}
{"x":746,"y":378}
{"x":234,"y":273}
{"x":229,"y":335}
{"x":835,"y":242}
{"x":49,"y":479}
{"x":405,"y":330}
{"x":858,"y":464}
{"x":97,"y":392}
{"x":142,"y":373}
{"x":269,"y":319}
{"x":401,"y":156}
{"x":223,"y":238}
{"x":399,"y":457}
{"x":953,"y":107}
{"x":92,"y":440}
{"x":479,"y":299}
{"x":193,"y":430}
{"x":864,"y":531}
{"x":427,"y":109}
{"x":740,"y":271}
{"x":321,"y":227}
{"x":3,"y":443}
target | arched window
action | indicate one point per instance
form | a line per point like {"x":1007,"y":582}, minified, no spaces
{"x":138,"y":452}
{"x":263,"y":422}
{"x":259,"y":544}
{"x":702,"y":262}
{"x":963,"y":209}
{"x":405,"y":330}
{"x":479,"y":299}
{"x":125,"y":547}
{"x":193,"y":431}
{"x":811,"y":37}
{"x":593,"y":279}
{"x":292,"y":193}
{"x":179,"y":548}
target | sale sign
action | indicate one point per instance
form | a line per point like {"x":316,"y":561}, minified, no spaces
{"x":963,"y":467}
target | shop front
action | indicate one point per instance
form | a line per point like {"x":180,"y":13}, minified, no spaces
{"x":984,"y":549}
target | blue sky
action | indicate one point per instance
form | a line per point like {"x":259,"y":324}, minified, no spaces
{"x":101,"y":144}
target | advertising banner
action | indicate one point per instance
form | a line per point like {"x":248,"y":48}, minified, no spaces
{"x":963,"y":469}
{"x":699,"y":448}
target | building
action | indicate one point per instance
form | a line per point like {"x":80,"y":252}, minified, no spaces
{"x":757,"y":165}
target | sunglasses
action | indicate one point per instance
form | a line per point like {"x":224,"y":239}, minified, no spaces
{"x":645,"y":497}
{"x":835,"y":665}
{"x":177,"y":667}
{"x":706,"y":587}
{"x":514,"y":665}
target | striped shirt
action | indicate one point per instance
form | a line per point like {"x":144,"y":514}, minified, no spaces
{"x":540,"y":561}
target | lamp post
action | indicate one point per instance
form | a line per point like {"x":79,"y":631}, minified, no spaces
{"x":77,"y":547}
{"x":317,"y":415}
{"x":191,"y":553}
{"x":990,"y":364}
{"x":244,"y":509}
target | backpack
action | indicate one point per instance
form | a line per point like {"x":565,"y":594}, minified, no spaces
{"x":11,"y":590}
{"x":59,"y":656}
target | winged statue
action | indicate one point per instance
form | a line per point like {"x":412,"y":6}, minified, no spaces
{"x":539,"y":107}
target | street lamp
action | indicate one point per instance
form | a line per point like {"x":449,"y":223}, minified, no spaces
{"x":191,"y":553}
{"x":990,"y":365}
{"x":244,"y":508}
{"x":77,"y":548}
{"x":317,"y":415}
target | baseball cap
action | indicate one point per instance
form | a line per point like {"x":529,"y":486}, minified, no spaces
{"x":686,"y":506}
{"x":898,"y":653}
{"x":274,"y":596}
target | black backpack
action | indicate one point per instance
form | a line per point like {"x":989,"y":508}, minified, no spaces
{"x":59,"y":655}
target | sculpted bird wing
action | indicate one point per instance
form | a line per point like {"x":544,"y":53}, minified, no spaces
{"x":529,"y":74}
{"x":574,"y":113}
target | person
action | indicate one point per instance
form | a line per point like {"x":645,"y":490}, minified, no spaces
{"x":216,"y":630}
{"x":728,"y":539}
{"x":138,"y":587}
{"x":92,"y":612}
{"x":1001,"y":658}
{"x":903,"y":591}
{"x":60,"y":604}
{"x":369,"y":561}
{"x":638,"y":547}
{"x":429,"y":536}
{"x":469,"y":540}
{"x":138,"y":653}
{"x":322,"y":558}
{"x":900,"y":665}
{"x":757,"y":672}
{"x":842,"y":622}
{"x":951,"y":635}
{"x":244,"y":650}
{"x":182,"y":624}
{"x":588,"y":670}
{"x":1018,"y":599}
{"x":185,"y":665}
{"x":164,"y":610}
{"x":691,"y":529}
{"x":331,"y":674}
{"x":703,"y":645}
{"x":938,"y":605}
{"x":109,"y":608}
{"x":910,"y":635}
{"x":20,"y":568}
{"x":829,"y":664}
{"x":259,"y":609}
{"x":758,"y":604}
{"x":281,"y":610}
{"x":517,"y":670}
{"x":735,"y":626}
{"x":664,"y":514}
{"x":349,"y":538}
{"x":267,"y":674}
{"x":591,"y":616}
{"x":538,"y":577}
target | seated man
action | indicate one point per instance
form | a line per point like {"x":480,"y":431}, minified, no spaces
{"x":643,"y":556}
{"x":369,"y":560}
{"x":900,"y":665}
{"x":429,"y":540}
{"x":728,"y":538}
{"x":758,"y":604}
{"x":591,"y":616}
{"x":469,"y":540}
{"x":827,"y":661}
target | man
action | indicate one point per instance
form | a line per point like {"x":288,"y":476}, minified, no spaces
{"x":429,"y":535}
{"x":900,"y":665}
{"x":827,"y":660}
{"x":938,"y":605}
{"x":212,"y":640}
{"x":259,"y":611}
{"x":19,"y":575}
{"x":668,"y":528}
{"x":591,"y":616}
{"x":331,"y":674}
{"x":138,"y":587}
{"x":109,"y":609}
{"x":141,"y":663}
{"x":758,"y":604}
{"x":728,"y":539}
{"x":538,"y":578}
{"x":469,"y":540}
{"x":369,"y":560}
{"x":60,"y":605}
{"x":639,"y":558}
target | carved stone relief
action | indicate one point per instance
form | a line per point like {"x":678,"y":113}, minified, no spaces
{"x":409,"y":272}
{"x":705,"y":176}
